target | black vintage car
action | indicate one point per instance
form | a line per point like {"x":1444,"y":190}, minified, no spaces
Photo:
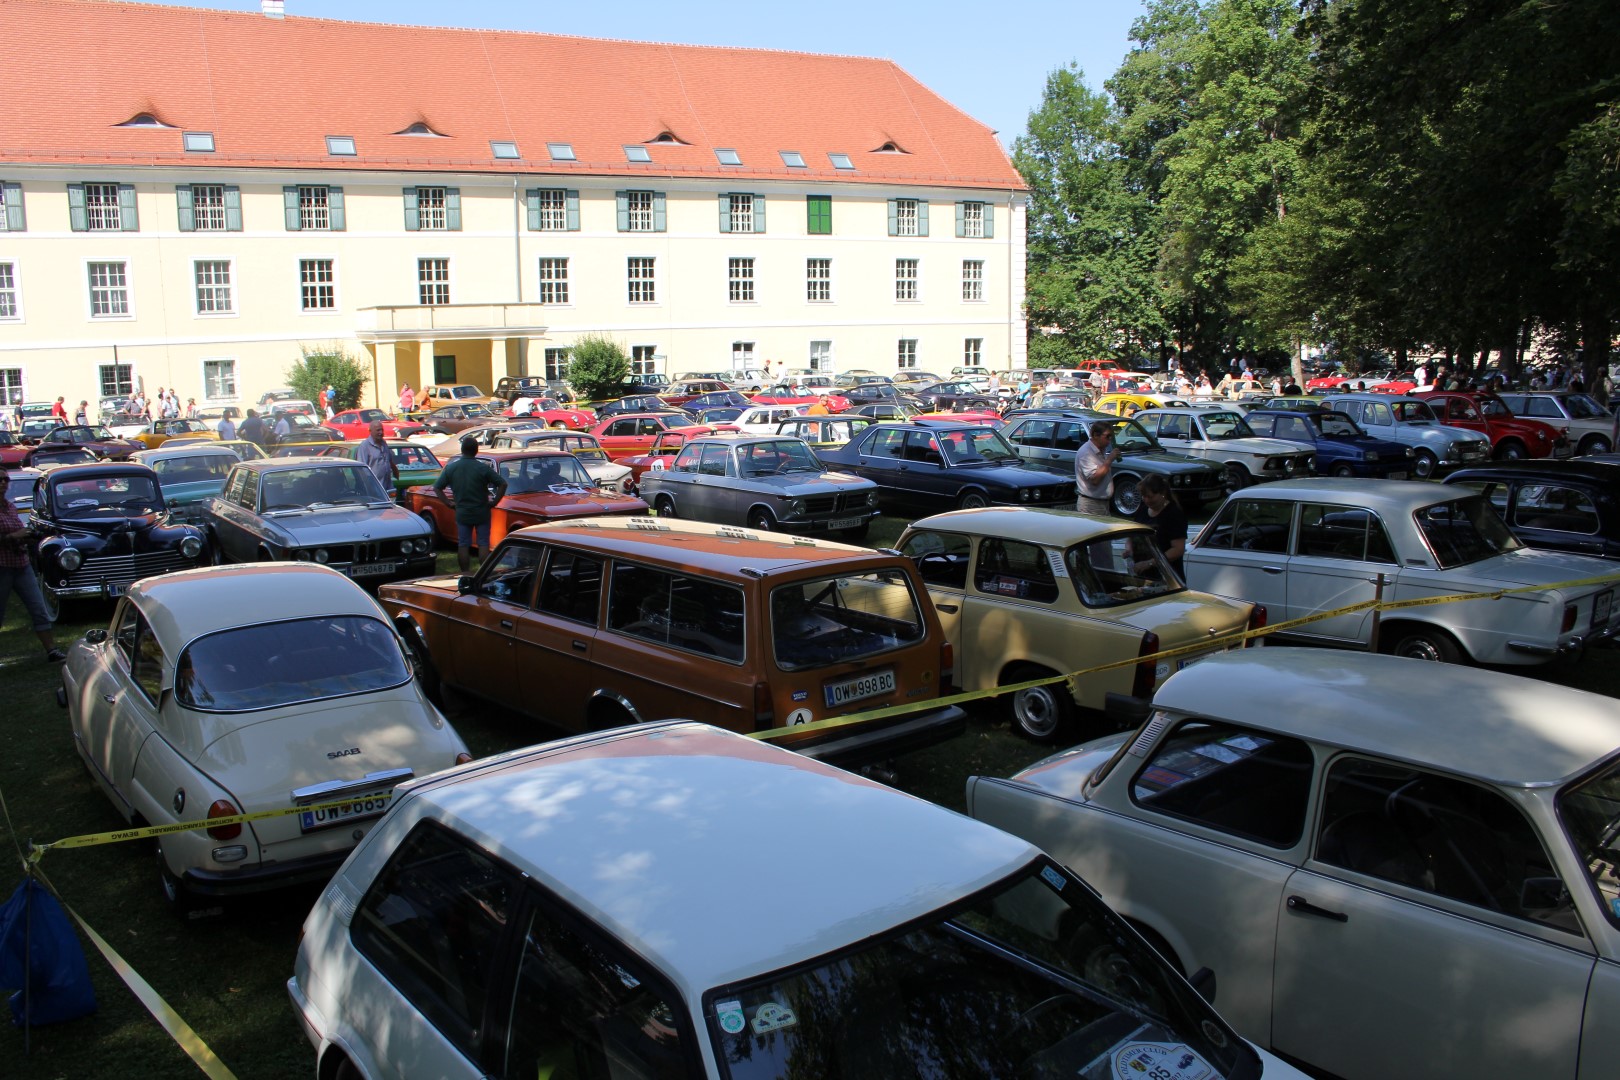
{"x":940,"y":465}
{"x":1562,"y":505}
{"x":99,"y":528}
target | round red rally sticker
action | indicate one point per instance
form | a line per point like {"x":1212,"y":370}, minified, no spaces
{"x":1160,"y":1061}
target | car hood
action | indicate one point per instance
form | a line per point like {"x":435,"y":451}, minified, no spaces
{"x":194,"y":492}
{"x":136,"y":524}
{"x":1257,"y":445}
{"x":804,"y":483}
{"x":1538,"y":567}
{"x":1065,"y":774}
{"x":1438,"y":434}
{"x":1367,"y":444}
{"x":1170,"y":461}
{"x":346,"y":524}
{"x":551,"y":504}
{"x":1016,"y":475}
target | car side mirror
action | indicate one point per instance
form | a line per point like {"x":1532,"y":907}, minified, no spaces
{"x":1543,"y":894}
{"x":1203,"y":981}
{"x":95,"y":637}
{"x":464,"y":585}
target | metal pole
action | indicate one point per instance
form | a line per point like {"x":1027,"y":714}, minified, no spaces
{"x":28,"y":956}
{"x":1378,"y":595}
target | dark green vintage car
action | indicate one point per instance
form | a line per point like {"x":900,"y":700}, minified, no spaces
{"x":417,"y":464}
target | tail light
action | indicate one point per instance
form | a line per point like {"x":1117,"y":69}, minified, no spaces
{"x":1142,"y":686}
{"x":1257,"y":621}
{"x":947,"y":666}
{"x":463,"y":757}
{"x":764,"y":707}
{"x":1569,"y":619}
{"x":223,"y":808}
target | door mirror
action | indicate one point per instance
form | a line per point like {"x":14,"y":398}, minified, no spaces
{"x":95,"y":637}
{"x":1543,"y":894}
{"x":464,"y":585}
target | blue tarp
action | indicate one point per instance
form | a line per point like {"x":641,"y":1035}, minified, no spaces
{"x":58,"y":978}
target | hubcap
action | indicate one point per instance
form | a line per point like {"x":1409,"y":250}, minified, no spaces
{"x":1036,"y":711}
{"x":1417,"y":648}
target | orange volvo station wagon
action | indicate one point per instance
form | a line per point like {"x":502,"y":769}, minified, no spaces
{"x":600,"y":622}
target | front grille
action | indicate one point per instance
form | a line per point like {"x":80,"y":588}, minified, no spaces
{"x":125,"y":570}
{"x":1471,"y":450}
{"x":815,"y":505}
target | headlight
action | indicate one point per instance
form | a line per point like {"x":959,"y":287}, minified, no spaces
{"x":1410,"y":452}
{"x":301,"y":555}
{"x":191,"y":547}
{"x":871,"y":498}
{"x":1273,"y":464}
{"x":795,"y":507}
{"x":321,"y":555}
{"x":1027,"y":494}
{"x":1371,"y":455}
{"x":69,"y":559}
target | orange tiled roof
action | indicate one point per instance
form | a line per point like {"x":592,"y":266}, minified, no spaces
{"x":271,"y":90}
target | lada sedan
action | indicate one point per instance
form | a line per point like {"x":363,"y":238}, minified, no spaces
{"x":1305,"y":547}
{"x":541,"y":486}
{"x":1052,"y":440}
{"x":764,"y":483}
{"x":1341,"y":448}
{"x":318,"y":509}
{"x":1436,"y":448}
{"x":569,"y":911}
{"x":1222,"y":437}
{"x":941,"y":465}
{"x":1028,"y":594}
{"x":233,"y":690}
{"x":1392,"y":870}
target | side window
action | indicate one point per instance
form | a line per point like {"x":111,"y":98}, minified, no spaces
{"x":1376,"y":412}
{"x":921,"y":446}
{"x":1069,"y":436}
{"x":686,"y":461}
{"x":1232,"y":779}
{"x":432,"y":923}
{"x":571,"y":586}
{"x":1439,"y":835}
{"x":716,"y":460}
{"x":1548,"y":506}
{"x":1496,"y":492}
{"x":1269,"y":425}
{"x":1250,"y":525}
{"x":148,"y":666}
{"x":672,"y":609}
{"x":581,"y":1008}
{"x":247,"y":490}
{"x":1352,"y":409}
{"x":1175,"y":426}
{"x":622,"y":427}
{"x":1016,"y":569}
{"x":1544,"y":408}
{"x":1033,"y":433}
{"x":942,"y":558}
{"x":129,"y":624}
{"x":887,"y":443}
{"x":510,"y":576}
{"x":1340,"y":532}
{"x":1295,"y":428}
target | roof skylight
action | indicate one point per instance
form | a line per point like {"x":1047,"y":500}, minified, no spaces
{"x":792,"y":159}
{"x":561,"y":151}
{"x":504,"y":151}
{"x":341,"y":146}
{"x":637,"y":153}
{"x":728,"y":157}
{"x":198,"y":142}
{"x":840,"y":161}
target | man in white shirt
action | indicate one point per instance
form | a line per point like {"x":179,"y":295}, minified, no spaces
{"x":1093,"y":470}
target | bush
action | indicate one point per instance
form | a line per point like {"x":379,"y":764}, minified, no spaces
{"x":597,"y":367}
{"x":328,"y":365}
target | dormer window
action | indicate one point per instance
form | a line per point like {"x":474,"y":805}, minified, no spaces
{"x":421,"y":130}
{"x":890,"y":147}
{"x":341,"y":146}
{"x":143,"y":120}
{"x":665,"y":138}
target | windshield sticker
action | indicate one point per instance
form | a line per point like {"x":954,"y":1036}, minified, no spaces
{"x":730,"y":1014}
{"x":771,"y":1017}
{"x":1053,"y":878}
{"x":1159,"y":1061}
{"x":1056,"y":559}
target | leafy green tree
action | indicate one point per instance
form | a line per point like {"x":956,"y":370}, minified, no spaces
{"x":328,"y":365}
{"x":597,"y":366}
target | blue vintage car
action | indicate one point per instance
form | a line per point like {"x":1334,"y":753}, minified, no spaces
{"x":1342,"y":448}
{"x":326,"y":510}
{"x":941,"y":465}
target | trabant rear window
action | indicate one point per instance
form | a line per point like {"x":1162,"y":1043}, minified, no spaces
{"x":1119,"y":569}
{"x":283,"y":663}
{"x":834,"y":620}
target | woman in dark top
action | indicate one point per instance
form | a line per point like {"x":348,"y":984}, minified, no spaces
{"x":1161,"y":511}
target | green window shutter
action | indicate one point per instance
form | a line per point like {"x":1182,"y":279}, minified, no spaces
{"x":289,"y":202}
{"x":989,"y":220}
{"x":922,"y":217}
{"x":77,"y":218}
{"x":128,"y":222}
{"x":961,"y":219}
{"x":759,"y":213}
{"x":15,"y":219}
{"x":413,"y":216}
{"x":532,"y":197}
{"x":182,"y":201}
{"x":658,"y":211}
{"x":819,"y":214}
{"x":334,"y":208}
{"x":725,"y":212}
{"x":894,"y":217}
{"x":624,"y":210}
{"x":571,"y":202}
{"x":452,"y":209}
{"x":233,"y":208}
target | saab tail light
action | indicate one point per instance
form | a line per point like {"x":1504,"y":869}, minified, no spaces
{"x":1257,"y":621}
{"x":764,"y":707}
{"x":223,"y":808}
{"x":1142,"y":685}
{"x":1569,"y":619}
{"x":463,"y":757}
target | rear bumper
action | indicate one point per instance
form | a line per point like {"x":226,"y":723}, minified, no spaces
{"x":278,"y":875}
{"x":880,"y":740}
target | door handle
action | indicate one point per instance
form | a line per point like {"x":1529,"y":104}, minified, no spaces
{"x":111,"y":699}
{"x":580,"y":645}
{"x":507,"y":624}
{"x":1272,"y":569}
{"x":949,"y":609}
{"x":1305,"y":907}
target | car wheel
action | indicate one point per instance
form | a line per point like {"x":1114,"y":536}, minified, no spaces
{"x":53,"y":602}
{"x":973,"y":500}
{"x":1237,"y":477}
{"x":1424,"y":464}
{"x":760,"y":520}
{"x":558,"y":424}
{"x":665,"y":506}
{"x":1109,"y":963}
{"x":432,"y":524}
{"x":1511,"y":450}
{"x":1422,"y":643}
{"x":1041,"y":713}
{"x":1342,"y":469}
{"x":1127,"y":495}
{"x":1594,"y":444}
{"x":416,"y":649}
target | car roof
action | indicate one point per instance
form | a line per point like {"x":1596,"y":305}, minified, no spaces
{"x":201,"y":448}
{"x":314,"y":459}
{"x":1598,"y":471}
{"x":1488,"y":725}
{"x":185,"y":604}
{"x":97,"y":468}
{"x":1036,"y":525}
{"x":1399,"y":495}
{"x":717,"y":549}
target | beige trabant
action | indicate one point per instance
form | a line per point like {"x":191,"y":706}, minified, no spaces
{"x":1025,"y":593}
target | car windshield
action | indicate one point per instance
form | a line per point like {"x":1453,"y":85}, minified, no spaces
{"x":97,"y":432}
{"x":413,"y":457}
{"x":317,"y":487}
{"x":525,"y":475}
{"x":1590,"y":812}
{"x":827,"y":621}
{"x":546,"y":403}
{"x":107,"y":496}
{"x":194,"y":468}
{"x":368,"y":415}
{"x":266,"y":665}
{"x":1582,"y":407}
{"x":1225,"y":425}
{"x":1129,"y":435}
{"x":1120,"y":568}
{"x":475,"y":408}
{"x":1461,"y":531}
{"x":459,"y":392}
{"x":777,"y":456}
{"x":975,"y":446}
{"x":1408,"y":411}
{"x":1336,"y":424}
{"x":1033,"y":977}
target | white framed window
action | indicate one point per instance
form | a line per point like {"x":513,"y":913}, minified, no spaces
{"x":11,"y":386}
{"x":213,"y":279}
{"x":208,"y":207}
{"x":905,"y":279}
{"x":972,"y":352}
{"x":972,"y":280}
{"x":906,"y":218}
{"x":557,"y":364}
{"x":742,"y":355}
{"x":219,"y":379}
{"x":821,"y":357}
{"x":742,"y":213}
{"x":554,"y":281}
{"x":818,"y":280}
{"x":639,"y":210}
{"x":548,"y":209}
{"x":643,"y":359}
{"x":109,"y":290}
{"x":906,"y":356}
{"x":430,"y":209}
{"x":639,"y":271}
{"x":432,"y":281}
{"x":314,"y":206}
{"x":117,"y":380}
{"x":102,"y":212}
{"x":10,"y":294}
{"x":972,"y":219}
{"x":740,"y":279}
{"x":317,"y":285}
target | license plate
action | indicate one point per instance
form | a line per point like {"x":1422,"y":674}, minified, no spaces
{"x":861,"y":686}
{"x":369,"y":807}
{"x":1397,"y":476}
{"x":1601,"y":604}
{"x":844,"y":523}
{"x":372,"y":568}
{"x":113,"y":590}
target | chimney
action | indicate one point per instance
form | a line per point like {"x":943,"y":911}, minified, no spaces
{"x":273,"y":9}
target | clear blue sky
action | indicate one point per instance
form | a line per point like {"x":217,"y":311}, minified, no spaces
{"x":990,"y":62}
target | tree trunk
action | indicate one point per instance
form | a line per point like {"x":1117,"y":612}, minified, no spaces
{"x":1597,"y":330}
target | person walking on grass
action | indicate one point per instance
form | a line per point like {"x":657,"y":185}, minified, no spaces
{"x":17,"y":574}
{"x":470,"y":481}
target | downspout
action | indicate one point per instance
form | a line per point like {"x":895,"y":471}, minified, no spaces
{"x":1011,"y":196}
{"x":517,"y":245}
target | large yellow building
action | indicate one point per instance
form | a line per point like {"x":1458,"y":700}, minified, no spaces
{"x":191,"y":197}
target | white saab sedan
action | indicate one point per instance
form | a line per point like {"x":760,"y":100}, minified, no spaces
{"x":1393,"y":870}
{"x":237,"y":689}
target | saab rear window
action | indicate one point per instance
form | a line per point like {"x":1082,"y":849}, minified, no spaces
{"x":1228,"y":778}
{"x":689,"y":613}
{"x":827,"y":621}
{"x":267,"y":665}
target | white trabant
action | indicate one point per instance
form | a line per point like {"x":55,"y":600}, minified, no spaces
{"x":1392,"y":870}
{"x":232,"y":690}
{"x":1224,"y":438}
{"x":674,"y":900}
{"x":1307,"y":547}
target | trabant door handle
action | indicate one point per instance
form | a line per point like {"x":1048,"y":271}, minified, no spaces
{"x":1305,"y":907}
{"x":507,"y":624}
{"x":580,"y":645}
{"x":949,"y":609}
{"x":1272,"y":569}
{"x":111,"y":699}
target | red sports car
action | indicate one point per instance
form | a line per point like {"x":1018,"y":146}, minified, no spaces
{"x":554,"y":414}
{"x":835,"y":402}
{"x":629,"y":434}
{"x":541,"y":486}
{"x":356,"y":424}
